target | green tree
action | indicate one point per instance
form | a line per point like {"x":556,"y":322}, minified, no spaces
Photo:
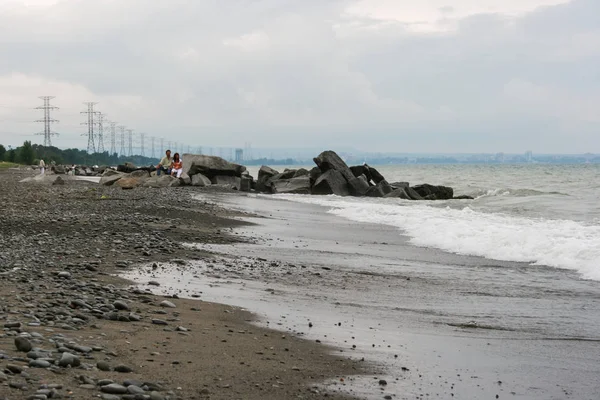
{"x":2,"y":152}
{"x":11,"y":155}
{"x":26,"y":153}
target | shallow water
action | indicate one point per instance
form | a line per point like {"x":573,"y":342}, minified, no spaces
{"x":459,"y":323}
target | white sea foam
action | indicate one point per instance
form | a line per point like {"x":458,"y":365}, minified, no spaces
{"x":556,"y":243}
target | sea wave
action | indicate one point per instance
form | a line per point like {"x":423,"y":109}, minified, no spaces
{"x":555,"y":243}
{"x":513,"y":193}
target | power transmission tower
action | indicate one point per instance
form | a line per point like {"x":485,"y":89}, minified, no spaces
{"x":91,"y":148}
{"x":122,"y":141}
{"x":153,"y":152}
{"x":100,"y":131}
{"x":113,"y":132}
{"x":47,"y":120}
{"x":130,"y":139}
{"x":142,"y":150}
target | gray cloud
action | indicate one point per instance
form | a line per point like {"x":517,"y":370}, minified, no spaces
{"x":287,"y":73}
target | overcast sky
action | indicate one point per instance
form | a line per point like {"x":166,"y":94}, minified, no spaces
{"x":376,"y":75}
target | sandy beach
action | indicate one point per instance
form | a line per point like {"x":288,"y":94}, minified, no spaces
{"x":73,"y":329}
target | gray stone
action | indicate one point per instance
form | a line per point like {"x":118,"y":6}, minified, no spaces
{"x":331,"y":182}
{"x":300,"y":185}
{"x":398,"y":193}
{"x":133,"y":389}
{"x":185,"y":179}
{"x":121,"y":305}
{"x":200,"y":180}
{"x":156,"y":321}
{"x":161,"y":181}
{"x":123,"y":369}
{"x":109,"y":180}
{"x":233,"y":182}
{"x":358,"y":186}
{"x":114,"y":388}
{"x":434,"y":192}
{"x":167,"y":303}
{"x":103,"y":366}
{"x":140,"y":173}
{"x":39,"y":364}
{"x":210,"y":166}
{"x":329,"y":160}
{"x":22,"y":344}
{"x":69,"y":360}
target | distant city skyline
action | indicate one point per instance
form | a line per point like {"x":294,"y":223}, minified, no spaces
{"x":379,"y":75}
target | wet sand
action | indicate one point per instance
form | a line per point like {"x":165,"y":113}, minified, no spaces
{"x":440,"y":325}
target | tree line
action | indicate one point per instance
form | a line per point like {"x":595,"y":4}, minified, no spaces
{"x":31,"y":154}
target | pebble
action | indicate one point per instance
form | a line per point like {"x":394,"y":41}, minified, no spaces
{"x":159,"y":322}
{"x":123,"y":369}
{"x":114,"y":388}
{"x":167,"y":303}
{"x":22,"y":344}
{"x":69,"y":360}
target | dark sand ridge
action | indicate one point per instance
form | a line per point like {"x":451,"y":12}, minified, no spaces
{"x":59,"y":247}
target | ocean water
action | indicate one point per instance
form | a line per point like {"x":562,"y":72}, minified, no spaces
{"x":546,"y":215}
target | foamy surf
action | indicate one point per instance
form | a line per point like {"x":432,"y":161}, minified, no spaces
{"x":555,"y":243}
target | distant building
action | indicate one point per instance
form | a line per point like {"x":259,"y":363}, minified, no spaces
{"x":529,"y":156}
{"x":239,"y":155}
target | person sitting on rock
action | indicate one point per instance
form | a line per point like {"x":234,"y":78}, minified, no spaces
{"x":165,"y":164}
{"x":176,"y":166}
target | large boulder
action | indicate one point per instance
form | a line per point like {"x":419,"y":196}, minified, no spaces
{"x":110,"y":179}
{"x":210,"y":166}
{"x":375,"y":175}
{"x":264,"y":175}
{"x":314,"y":174}
{"x":266,"y":172}
{"x":301,"y":172}
{"x":329,"y":160}
{"x":246,"y":183}
{"x":431,"y":192}
{"x":140,"y":173}
{"x":110,"y":172}
{"x":58,"y":169}
{"x":200,"y":180}
{"x":359,"y":170}
{"x":161,"y":181}
{"x":185,"y":179}
{"x":379,"y":190}
{"x":331,"y":182}
{"x":129,"y":182}
{"x":126,"y":168}
{"x":399,"y":193}
{"x":358,"y":186}
{"x":398,"y":185}
{"x":412,"y":193}
{"x":299,"y":185}
{"x":232,"y":182}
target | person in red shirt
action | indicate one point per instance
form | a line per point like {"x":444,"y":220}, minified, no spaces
{"x":176,"y":166}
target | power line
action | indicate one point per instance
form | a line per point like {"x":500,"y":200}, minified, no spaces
{"x":47,"y":120}
{"x":122,"y":141}
{"x":91,"y":148}
{"x":100,"y":131}
{"x":113,"y":132}
{"x":142,"y":150}
{"x":130,"y":139}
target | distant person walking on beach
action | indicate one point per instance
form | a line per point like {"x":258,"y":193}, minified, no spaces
{"x":177,"y":166}
{"x":165,"y":164}
{"x":42,"y":167}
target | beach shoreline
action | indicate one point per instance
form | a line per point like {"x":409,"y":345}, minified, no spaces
{"x":63,"y":248}
{"x":415,"y":312}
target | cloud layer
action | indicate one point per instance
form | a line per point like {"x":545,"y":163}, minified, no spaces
{"x":379,"y":75}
